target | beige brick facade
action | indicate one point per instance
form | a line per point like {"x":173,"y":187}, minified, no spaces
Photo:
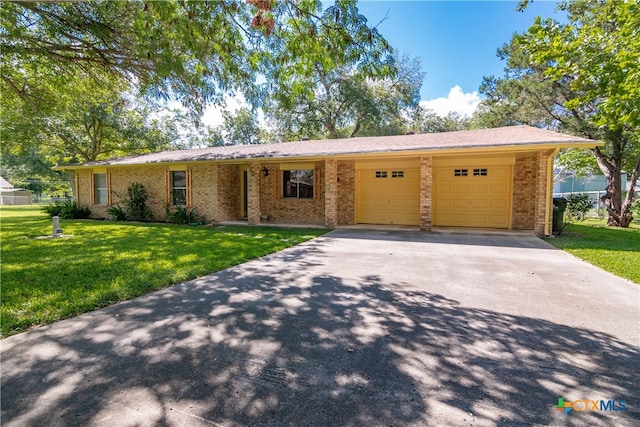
{"x":524,"y":193}
{"x":216,"y":190}
{"x":544,"y":194}
{"x":426,"y":193}
{"x":346,"y":192}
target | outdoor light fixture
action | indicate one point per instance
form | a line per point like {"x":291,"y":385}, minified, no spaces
{"x":265,"y":171}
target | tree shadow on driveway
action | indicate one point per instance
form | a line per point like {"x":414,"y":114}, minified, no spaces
{"x":272,"y":342}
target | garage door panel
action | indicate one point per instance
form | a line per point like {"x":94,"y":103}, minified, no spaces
{"x":482,"y":198}
{"x":394,"y":199}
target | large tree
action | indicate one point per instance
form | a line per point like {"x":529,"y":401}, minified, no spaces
{"x":581,"y":77}
{"x":347,"y":102}
{"x":195,"y":51}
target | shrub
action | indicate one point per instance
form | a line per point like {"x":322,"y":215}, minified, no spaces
{"x":136,"y":203}
{"x":578,"y":204}
{"x":68,"y":210}
{"x":116,"y":213}
{"x":184,"y":215}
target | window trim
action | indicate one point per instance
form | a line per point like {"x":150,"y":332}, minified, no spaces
{"x":94,"y":186}
{"x":172,"y":188}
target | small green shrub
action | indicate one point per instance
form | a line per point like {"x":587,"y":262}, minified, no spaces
{"x":67,"y":210}
{"x":578,"y":204}
{"x":116,"y":213}
{"x":184,"y":215}
{"x":136,"y":203}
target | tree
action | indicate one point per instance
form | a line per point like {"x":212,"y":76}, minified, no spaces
{"x":84,"y":120}
{"x":346,"y":102}
{"x":195,"y":51}
{"x":427,"y":121}
{"x":240,"y":127}
{"x":580,"y":77}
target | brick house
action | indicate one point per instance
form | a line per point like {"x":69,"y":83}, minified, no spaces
{"x":490,"y":178}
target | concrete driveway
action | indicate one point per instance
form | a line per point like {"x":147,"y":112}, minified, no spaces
{"x":354,"y":328}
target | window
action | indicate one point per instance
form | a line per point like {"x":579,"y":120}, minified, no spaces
{"x":381,"y":174}
{"x":297,"y":184}
{"x":397,"y":174}
{"x":99,"y":188}
{"x":179,"y":188}
{"x":460,"y":172}
{"x":480,"y":172}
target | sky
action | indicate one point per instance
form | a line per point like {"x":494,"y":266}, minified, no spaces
{"x":456,"y":42}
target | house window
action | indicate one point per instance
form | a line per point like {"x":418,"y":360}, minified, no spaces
{"x":381,"y":174}
{"x":99,"y":188}
{"x":397,"y":174}
{"x":179,"y":188}
{"x":460,"y":172}
{"x":297,"y":184}
{"x":480,"y":172}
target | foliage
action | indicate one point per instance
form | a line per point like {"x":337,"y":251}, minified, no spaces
{"x":184,"y":215}
{"x":345,"y":102}
{"x":580,"y":77}
{"x":240,"y":127}
{"x":578,"y":204}
{"x":67,"y":209}
{"x":116,"y":213}
{"x":612,"y":249}
{"x":195,"y":51}
{"x":135,"y":202}
{"x":427,"y":121}
{"x":46,"y":280}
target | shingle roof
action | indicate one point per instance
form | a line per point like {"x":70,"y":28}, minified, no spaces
{"x":496,"y":137}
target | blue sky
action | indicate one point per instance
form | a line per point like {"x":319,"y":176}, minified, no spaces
{"x":456,"y":41}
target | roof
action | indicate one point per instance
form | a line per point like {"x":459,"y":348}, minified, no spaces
{"x":4,"y":183}
{"x":511,"y":136}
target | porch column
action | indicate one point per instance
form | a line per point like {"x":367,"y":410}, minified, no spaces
{"x":331,"y":193}
{"x":253,"y":194}
{"x":544,"y":186}
{"x":426,"y":192}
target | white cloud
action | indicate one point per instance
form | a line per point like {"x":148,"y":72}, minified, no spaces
{"x":458,"y":101}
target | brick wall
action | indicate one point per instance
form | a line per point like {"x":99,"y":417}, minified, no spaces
{"x":228,"y":192}
{"x":426,"y":193}
{"x":83,"y":181}
{"x":152,"y":177}
{"x":203,"y":189}
{"x":346,"y":192}
{"x":524,"y":193}
{"x":287,"y":209}
{"x":543,"y":193}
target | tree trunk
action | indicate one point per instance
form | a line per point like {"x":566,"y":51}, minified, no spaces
{"x":619,"y":214}
{"x":627,"y":215}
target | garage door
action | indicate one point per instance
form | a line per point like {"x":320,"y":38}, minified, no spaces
{"x":472,"y":195}
{"x":388,"y":195}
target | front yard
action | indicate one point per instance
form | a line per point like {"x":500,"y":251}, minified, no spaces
{"x":45,"y":280}
{"x":616,"y":250}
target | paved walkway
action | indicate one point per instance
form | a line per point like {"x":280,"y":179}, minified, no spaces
{"x":353,"y":328}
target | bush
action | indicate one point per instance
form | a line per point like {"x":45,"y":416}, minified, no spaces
{"x":136,"y":203}
{"x":67,"y":210}
{"x":116,"y":213}
{"x":578,"y":204}
{"x":184,"y":215}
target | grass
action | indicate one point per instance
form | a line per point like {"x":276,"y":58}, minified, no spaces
{"x":616,"y":250}
{"x":45,"y":280}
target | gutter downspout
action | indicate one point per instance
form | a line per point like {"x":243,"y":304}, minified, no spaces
{"x":547,"y":209}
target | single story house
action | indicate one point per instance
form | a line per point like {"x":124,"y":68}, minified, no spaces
{"x":9,"y":195}
{"x":490,"y":178}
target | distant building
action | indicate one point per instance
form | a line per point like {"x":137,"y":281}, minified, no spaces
{"x":9,"y":195}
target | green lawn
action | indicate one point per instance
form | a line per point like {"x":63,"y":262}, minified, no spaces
{"x":45,"y":280}
{"x":616,"y":250}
